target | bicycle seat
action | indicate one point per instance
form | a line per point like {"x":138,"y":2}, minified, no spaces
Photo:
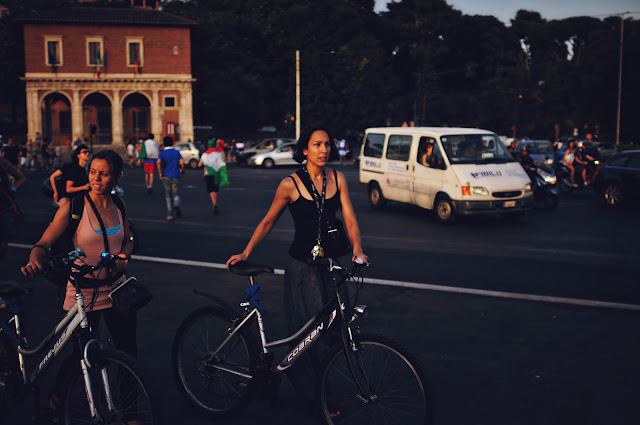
{"x":248,"y":269}
{"x":12,"y":289}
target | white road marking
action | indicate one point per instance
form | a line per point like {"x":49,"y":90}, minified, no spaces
{"x":413,"y":285}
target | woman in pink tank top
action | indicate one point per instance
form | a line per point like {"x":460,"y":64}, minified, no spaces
{"x":104,"y":173}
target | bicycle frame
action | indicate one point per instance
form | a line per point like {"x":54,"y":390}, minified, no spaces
{"x":74,"y":320}
{"x":310,"y":333}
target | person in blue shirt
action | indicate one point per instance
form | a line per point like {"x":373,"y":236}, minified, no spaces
{"x":170,"y":168}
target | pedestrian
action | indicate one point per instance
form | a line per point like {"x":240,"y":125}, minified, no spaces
{"x":131,"y":152}
{"x":215,"y":171}
{"x":57,"y":157}
{"x":149,"y":155}
{"x":45,"y":154}
{"x":342,"y":151}
{"x":72,"y":177}
{"x":313,"y":194}
{"x":104,"y":174}
{"x":24,"y":157}
{"x":170,"y":169}
{"x":77,"y":142}
{"x":33,"y":153}
{"x":8,"y":172}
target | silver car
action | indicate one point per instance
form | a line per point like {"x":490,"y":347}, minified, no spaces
{"x":190,"y":154}
{"x":282,"y":155}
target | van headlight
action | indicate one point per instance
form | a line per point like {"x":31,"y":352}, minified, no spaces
{"x":527,"y":188}
{"x":479,"y":191}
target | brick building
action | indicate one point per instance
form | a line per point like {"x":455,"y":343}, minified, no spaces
{"x":126,"y":71}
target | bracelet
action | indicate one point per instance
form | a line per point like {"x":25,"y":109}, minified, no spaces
{"x":40,"y":246}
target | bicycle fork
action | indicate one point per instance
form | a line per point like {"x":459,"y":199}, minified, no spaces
{"x":87,"y":363}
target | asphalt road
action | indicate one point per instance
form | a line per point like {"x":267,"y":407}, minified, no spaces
{"x":516,"y":323}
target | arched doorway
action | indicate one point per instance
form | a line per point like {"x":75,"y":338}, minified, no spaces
{"x":56,"y":118}
{"x":96,"y":110}
{"x":136,"y":114}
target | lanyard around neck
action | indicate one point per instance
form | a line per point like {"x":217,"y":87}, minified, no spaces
{"x":319,"y":199}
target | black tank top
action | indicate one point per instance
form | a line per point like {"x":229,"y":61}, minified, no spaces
{"x":305,"y":219}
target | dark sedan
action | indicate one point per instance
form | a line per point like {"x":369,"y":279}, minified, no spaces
{"x":618,"y":180}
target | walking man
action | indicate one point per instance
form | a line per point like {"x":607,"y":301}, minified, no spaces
{"x":170,"y":167}
{"x":149,"y":155}
{"x":215,"y":171}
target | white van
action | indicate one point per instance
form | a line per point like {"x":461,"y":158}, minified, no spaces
{"x":454,"y":171}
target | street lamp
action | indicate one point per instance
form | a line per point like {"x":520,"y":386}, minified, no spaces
{"x":620,"y":76}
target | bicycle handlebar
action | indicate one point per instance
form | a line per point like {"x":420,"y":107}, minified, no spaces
{"x":106,"y":260}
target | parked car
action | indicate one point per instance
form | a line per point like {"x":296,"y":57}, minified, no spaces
{"x":541,"y":150}
{"x":282,"y":155}
{"x":266,"y":145}
{"x":190,"y":154}
{"x":618,"y":179}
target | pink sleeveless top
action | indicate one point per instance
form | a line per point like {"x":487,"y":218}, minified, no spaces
{"x":92,"y":244}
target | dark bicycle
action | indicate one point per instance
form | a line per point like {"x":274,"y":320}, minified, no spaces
{"x":367,"y":379}
{"x":106,"y":387}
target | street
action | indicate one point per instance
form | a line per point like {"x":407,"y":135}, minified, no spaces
{"x":523,"y":322}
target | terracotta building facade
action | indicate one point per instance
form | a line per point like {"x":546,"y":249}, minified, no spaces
{"x":109,"y":74}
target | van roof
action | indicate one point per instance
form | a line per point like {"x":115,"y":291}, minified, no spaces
{"x":440,"y":131}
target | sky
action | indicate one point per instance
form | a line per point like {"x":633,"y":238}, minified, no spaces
{"x":505,"y":10}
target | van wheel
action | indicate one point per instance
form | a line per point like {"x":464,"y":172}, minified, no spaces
{"x":445,"y":211}
{"x":193,"y":163}
{"x":376,"y":199}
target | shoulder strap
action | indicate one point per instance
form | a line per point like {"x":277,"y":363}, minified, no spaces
{"x":295,"y":184}
{"x":75,"y":213}
{"x":306,"y":180}
{"x":120,"y":205}
{"x":335,"y":176}
{"x":102,"y":226}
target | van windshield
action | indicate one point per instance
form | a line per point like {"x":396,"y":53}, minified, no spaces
{"x":475,"y":149}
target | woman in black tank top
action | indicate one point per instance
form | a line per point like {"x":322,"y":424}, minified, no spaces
{"x":307,"y":287}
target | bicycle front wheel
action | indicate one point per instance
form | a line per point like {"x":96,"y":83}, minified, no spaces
{"x":387,"y":386}
{"x":214,"y":384}
{"x":130,"y":397}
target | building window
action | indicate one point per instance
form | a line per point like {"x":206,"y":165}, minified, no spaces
{"x":53,"y":50}
{"x":135,"y":52}
{"x":95,"y":52}
{"x":169,"y":102}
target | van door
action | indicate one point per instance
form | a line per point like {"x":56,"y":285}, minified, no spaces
{"x":396,"y":167}
{"x":428,"y":172}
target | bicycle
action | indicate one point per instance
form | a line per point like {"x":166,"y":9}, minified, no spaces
{"x":366,"y":378}
{"x":107,"y":388}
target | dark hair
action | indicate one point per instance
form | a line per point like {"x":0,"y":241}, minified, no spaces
{"x":113,"y":159}
{"x":303,"y":143}
{"x":76,"y":152}
{"x":150,"y":136}
{"x":167,"y":141}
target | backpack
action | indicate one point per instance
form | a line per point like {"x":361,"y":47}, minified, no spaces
{"x":64,"y":244}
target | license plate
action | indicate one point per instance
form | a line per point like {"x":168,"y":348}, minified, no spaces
{"x":509,"y":204}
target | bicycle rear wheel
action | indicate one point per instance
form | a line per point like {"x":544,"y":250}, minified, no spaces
{"x":128,"y":391}
{"x":399,"y":391}
{"x":212,"y":384}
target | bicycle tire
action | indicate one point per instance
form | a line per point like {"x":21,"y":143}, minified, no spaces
{"x":401,"y":389}
{"x":128,"y":390}
{"x":10,"y":378}
{"x":213,"y":391}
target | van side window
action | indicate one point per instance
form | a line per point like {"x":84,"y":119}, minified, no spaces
{"x":429,"y":154}
{"x":373,"y":145}
{"x":399,"y":148}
